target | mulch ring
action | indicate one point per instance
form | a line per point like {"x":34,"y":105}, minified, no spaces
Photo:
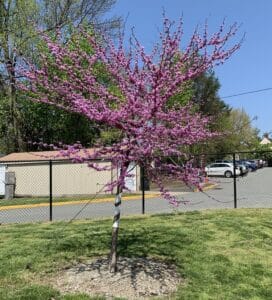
{"x":136,"y":278}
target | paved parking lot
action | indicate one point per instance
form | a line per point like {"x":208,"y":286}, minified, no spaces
{"x":254,"y":190}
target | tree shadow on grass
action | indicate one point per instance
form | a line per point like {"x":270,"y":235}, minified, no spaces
{"x":146,"y":242}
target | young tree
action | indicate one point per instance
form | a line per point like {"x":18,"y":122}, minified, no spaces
{"x":150,"y":129}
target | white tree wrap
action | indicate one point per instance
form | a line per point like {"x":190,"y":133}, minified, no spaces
{"x":116,"y":218}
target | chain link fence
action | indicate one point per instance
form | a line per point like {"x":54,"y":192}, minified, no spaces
{"x":52,"y":190}
{"x":61,"y":190}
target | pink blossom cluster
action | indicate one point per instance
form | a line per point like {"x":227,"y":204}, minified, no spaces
{"x":151,"y":129}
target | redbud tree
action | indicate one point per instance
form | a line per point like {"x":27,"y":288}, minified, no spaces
{"x":135,"y":100}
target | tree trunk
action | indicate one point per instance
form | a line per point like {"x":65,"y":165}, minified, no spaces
{"x":116,"y":219}
{"x":115,"y":230}
{"x":14,"y":114}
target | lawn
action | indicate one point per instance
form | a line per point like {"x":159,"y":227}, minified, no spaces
{"x":224,"y":254}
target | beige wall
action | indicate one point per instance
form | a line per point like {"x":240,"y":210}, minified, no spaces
{"x":67,"y":178}
{"x":32,"y":179}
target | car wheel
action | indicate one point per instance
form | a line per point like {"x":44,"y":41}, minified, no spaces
{"x":228,"y":174}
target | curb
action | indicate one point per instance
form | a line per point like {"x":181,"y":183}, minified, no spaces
{"x":102,"y":200}
{"x":206,"y":188}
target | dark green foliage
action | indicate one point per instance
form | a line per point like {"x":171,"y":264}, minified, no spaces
{"x":206,"y":88}
{"x":21,"y":121}
{"x":53,"y":125}
{"x":234,"y":125}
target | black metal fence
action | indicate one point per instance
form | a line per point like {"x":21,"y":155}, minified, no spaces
{"x":247,"y":185}
{"x":46,"y":190}
{"x":61,"y":190}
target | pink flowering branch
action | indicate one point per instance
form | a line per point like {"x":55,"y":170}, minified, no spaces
{"x":150,"y":128}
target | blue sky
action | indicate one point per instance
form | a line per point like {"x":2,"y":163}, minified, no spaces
{"x":248,"y":69}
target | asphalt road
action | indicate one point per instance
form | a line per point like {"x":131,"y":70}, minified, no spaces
{"x":254,"y":190}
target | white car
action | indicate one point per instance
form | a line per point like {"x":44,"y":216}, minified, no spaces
{"x":222,"y":169}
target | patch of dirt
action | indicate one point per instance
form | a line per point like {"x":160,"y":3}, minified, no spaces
{"x":136,"y":278}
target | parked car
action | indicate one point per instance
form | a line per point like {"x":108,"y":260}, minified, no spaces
{"x":222,"y":169}
{"x":243,"y":168}
{"x":250,"y":165}
{"x":261,"y":163}
{"x":256,"y":162}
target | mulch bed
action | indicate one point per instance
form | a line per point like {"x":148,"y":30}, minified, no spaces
{"x":136,"y":278}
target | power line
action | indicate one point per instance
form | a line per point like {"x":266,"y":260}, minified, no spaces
{"x":249,"y":92}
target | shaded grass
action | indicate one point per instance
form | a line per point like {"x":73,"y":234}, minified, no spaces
{"x":223,"y":254}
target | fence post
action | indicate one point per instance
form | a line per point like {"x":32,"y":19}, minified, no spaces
{"x":143,"y":189}
{"x":50,"y":192}
{"x":234,"y":181}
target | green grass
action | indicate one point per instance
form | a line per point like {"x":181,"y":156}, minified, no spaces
{"x":223,"y":254}
{"x":39,"y":200}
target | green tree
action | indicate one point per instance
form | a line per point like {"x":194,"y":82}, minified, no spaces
{"x":234,"y":125}
{"x":16,"y":19}
{"x":204,"y":92}
{"x":242,"y":136}
{"x":264,"y":152}
{"x":61,"y":125}
{"x":19,"y":20}
{"x":206,"y":88}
